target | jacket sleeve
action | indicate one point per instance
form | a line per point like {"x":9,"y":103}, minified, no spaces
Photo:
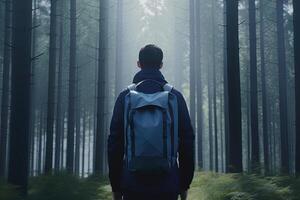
{"x":115,"y":148}
{"x":186,"y":145}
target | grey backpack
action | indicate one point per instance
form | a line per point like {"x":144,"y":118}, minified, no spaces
{"x":151,"y":130}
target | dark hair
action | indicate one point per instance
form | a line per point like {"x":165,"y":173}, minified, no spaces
{"x":151,"y":56}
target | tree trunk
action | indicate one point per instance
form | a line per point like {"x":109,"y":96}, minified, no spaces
{"x":210,"y":125}
{"x":5,"y":89}
{"x":222,"y":134}
{"x":296,"y":4}
{"x":90,"y":144}
{"x":99,"y":149}
{"x":248,"y":126}
{"x":59,"y":118}
{"x":63,"y":154}
{"x":33,"y":92}
{"x":285,"y":163}
{"x":83,"y":142}
{"x":119,"y":49}
{"x":264,"y":89}
{"x":225,"y":91}
{"x":95,"y":112}
{"x":192,"y":63}
{"x":274,"y":137}
{"x":253,"y":87}
{"x":72,"y":79}
{"x":78,"y":127}
{"x":20,"y":95}
{"x":51,"y":88}
{"x":214,"y":74}
{"x":199,"y":85}
{"x":40,"y":137}
{"x":234,"y":89}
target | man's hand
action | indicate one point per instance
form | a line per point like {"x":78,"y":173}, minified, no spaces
{"x":183,"y":195}
{"x":117,"y":196}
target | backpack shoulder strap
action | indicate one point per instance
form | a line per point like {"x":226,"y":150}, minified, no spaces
{"x":168,"y":87}
{"x":132,"y":87}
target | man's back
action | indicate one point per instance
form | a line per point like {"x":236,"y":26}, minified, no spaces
{"x":134,"y":186}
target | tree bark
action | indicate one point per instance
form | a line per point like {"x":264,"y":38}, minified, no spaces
{"x":72,"y":88}
{"x":40,"y":139}
{"x":33,"y":92}
{"x":192,"y":63}
{"x":197,"y":61}
{"x":285,"y":161}
{"x":264,"y":89}
{"x":90,"y":143}
{"x":225,"y":91}
{"x":222,"y":134}
{"x":63,"y":155}
{"x":51,"y":87}
{"x":20,"y":95}
{"x":296,"y":5}
{"x":78,"y":127}
{"x":59,"y":118}
{"x":253,"y":87}
{"x":99,"y":148}
{"x":214,"y":74}
{"x":248,"y":107}
{"x":83,"y":143}
{"x":234,"y":89}
{"x":5,"y":89}
{"x":119,"y":49}
{"x":210,"y":124}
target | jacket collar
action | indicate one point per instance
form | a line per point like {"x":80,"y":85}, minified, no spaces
{"x":149,"y":73}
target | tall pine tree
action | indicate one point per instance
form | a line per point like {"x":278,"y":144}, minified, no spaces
{"x":253,"y":87}
{"x":192,"y":62}
{"x":296,"y":4}
{"x":281,"y":50}
{"x":234,"y":154}
{"x":20,"y":94}
{"x":99,"y":149}
{"x":72,"y":88}
{"x":264,"y":88}
{"x":51,"y":87}
{"x":5,"y":88}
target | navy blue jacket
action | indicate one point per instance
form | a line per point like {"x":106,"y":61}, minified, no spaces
{"x":180,"y":177}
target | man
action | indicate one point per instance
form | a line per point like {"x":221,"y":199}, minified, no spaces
{"x":127,"y":184}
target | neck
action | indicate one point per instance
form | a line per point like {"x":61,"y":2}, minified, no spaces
{"x":150,"y":68}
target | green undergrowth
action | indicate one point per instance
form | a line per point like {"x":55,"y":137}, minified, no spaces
{"x":65,"y":186}
{"x":206,"y":186}
{"x":61,"y":187}
{"x":8,"y":192}
{"x":212,"y":186}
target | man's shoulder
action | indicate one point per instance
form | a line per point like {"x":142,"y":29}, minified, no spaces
{"x":178,"y":94}
{"x":122,"y":94}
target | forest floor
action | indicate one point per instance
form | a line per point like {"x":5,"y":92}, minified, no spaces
{"x":206,"y":186}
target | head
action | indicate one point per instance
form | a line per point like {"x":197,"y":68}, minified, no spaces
{"x":150,"y":56}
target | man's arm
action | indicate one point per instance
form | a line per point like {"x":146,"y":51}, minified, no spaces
{"x":115,"y":146}
{"x":186,"y":146}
